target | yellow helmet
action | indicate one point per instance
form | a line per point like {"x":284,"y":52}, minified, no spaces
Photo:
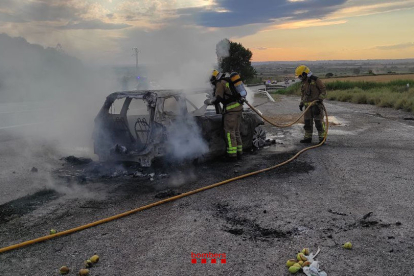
{"x":215,"y":76}
{"x":301,"y":69}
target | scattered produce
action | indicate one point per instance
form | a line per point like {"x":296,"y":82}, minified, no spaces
{"x":301,"y":257}
{"x":347,"y":245}
{"x":290,"y":262}
{"x":84,"y":272}
{"x":307,"y":263}
{"x":293,"y":269}
{"x":94,"y":258}
{"x":64,"y":270}
{"x":88,"y":263}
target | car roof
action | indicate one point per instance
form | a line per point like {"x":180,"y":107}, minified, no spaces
{"x":140,"y":94}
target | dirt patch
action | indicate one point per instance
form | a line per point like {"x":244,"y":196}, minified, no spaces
{"x":166,"y":194}
{"x":284,"y":119}
{"x":26,"y":204}
{"x":247,"y":228}
{"x":294,"y":167}
{"x":77,"y":160}
{"x":368,"y":221}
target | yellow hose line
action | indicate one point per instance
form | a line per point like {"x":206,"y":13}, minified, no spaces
{"x":89,"y":225}
{"x":277,"y":125}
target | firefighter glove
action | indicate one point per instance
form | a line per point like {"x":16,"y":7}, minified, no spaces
{"x":301,"y":106}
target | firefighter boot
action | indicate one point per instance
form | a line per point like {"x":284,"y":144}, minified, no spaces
{"x":230,"y":159}
{"x":306,"y":140}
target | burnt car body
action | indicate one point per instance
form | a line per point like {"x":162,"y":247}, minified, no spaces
{"x":133,"y":126}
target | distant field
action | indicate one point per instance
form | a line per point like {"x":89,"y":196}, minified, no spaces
{"x":378,"y":78}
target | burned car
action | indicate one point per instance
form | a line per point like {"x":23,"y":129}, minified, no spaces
{"x":145,"y":125}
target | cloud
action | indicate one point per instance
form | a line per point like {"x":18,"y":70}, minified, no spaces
{"x":5,"y":17}
{"x":52,"y":10}
{"x":145,"y":9}
{"x":369,"y":7}
{"x":42,"y":11}
{"x":396,"y":46}
{"x":307,"y":24}
{"x":230,"y":13}
{"x":94,"y":24}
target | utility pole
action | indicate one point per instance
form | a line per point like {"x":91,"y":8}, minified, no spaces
{"x":135,"y":49}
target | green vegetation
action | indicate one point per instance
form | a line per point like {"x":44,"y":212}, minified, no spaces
{"x":393,"y":94}
{"x":384,"y":97}
{"x":291,"y":90}
{"x":254,"y":80}
{"x":367,"y":85}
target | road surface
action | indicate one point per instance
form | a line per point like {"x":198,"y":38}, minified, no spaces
{"x":357,"y":188}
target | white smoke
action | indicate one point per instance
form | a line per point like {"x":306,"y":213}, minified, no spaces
{"x":175,"y":57}
{"x":223,"y":48}
{"x":184,"y":139}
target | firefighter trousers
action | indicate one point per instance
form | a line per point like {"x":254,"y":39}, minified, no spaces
{"x":231,"y":122}
{"x":315,"y":113}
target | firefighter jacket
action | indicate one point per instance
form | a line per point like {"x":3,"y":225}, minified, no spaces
{"x":224,"y":95}
{"x":312,"y":89}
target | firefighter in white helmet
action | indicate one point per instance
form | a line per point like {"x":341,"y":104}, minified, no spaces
{"x":312,"y":89}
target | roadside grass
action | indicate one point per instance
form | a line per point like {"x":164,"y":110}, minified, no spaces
{"x":383,"y":97}
{"x":371,"y":78}
{"x":367,"y":85}
{"x":394,"y":94}
{"x":294,"y":89}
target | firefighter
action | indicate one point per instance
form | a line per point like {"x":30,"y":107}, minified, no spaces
{"x":312,"y":89}
{"x":232,"y":113}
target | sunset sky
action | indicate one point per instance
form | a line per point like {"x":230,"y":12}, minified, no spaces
{"x":105,"y":31}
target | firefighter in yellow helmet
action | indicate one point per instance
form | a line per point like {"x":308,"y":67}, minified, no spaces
{"x":232,"y":113}
{"x":312,"y":89}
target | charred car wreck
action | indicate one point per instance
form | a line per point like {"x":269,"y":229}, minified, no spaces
{"x":136,"y":126}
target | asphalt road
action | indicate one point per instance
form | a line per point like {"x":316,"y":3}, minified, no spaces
{"x":20,"y":150}
{"x":357,"y":188}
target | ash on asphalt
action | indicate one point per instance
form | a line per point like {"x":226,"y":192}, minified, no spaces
{"x":26,"y":204}
{"x":247,"y":228}
{"x":127,"y":180}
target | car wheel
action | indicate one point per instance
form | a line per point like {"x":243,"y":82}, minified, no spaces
{"x":259,"y":137}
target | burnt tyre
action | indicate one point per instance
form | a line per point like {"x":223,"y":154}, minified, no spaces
{"x":259,"y":137}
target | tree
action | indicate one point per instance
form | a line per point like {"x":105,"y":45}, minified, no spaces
{"x":238,"y":60}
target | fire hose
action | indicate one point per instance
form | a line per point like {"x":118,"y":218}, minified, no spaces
{"x":145,"y":207}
